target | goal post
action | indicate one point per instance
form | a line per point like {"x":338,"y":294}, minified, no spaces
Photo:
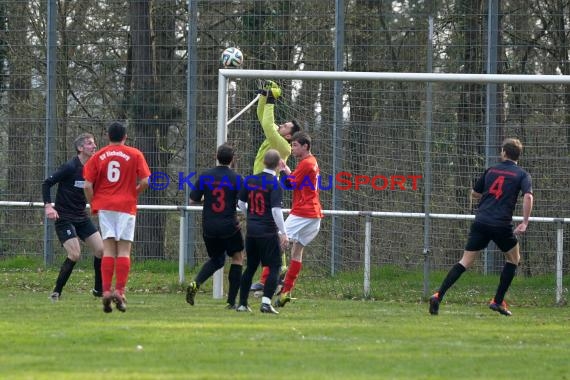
{"x":384,"y":137}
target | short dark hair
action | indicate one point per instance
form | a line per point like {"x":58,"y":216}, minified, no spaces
{"x":271,"y":159}
{"x":116,"y":131}
{"x":80,"y":140}
{"x":512,"y":148}
{"x":296,"y":126}
{"x":302,"y":138}
{"x":225,"y":154}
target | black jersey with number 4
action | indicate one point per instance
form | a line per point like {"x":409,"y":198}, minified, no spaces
{"x":500,"y":186}
{"x":69,"y":199}
{"x":261,"y":192}
{"x":220,"y":188}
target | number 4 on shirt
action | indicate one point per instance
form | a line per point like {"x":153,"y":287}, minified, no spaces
{"x":497,"y":187}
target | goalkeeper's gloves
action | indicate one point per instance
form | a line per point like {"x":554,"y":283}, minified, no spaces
{"x":271,"y":90}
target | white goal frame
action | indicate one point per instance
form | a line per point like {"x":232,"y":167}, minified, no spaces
{"x":225,"y":75}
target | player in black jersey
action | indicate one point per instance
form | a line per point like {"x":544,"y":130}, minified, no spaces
{"x":219,"y":188}
{"x":261,"y":200}
{"x":70,"y":215}
{"x":497,"y":191}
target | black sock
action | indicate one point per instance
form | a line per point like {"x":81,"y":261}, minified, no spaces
{"x":64,"y":273}
{"x":234,"y":279}
{"x":507,"y":275}
{"x":207,"y":270}
{"x":452,"y":276}
{"x":97,"y":268}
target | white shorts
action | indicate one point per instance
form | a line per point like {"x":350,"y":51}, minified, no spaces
{"x":117,"y":225}
{"x":303,"y":230}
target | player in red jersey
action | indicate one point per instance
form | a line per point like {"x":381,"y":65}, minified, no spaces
{"x":304,"y":221}
{"x":114,"y":176}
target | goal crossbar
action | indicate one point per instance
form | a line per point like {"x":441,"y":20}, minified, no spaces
{"x":392,"y":76}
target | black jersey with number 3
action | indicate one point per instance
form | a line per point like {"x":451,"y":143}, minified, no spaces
{"x":261,"y":192}
{"x":220,"y":188}
{"x":500,"y":186}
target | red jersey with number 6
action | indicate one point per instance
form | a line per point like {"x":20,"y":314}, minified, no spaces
{"x":114,"y":172}
{"x":500,"y":186}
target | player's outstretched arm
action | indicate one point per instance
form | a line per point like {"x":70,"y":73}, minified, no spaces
{"x":261,"y":104}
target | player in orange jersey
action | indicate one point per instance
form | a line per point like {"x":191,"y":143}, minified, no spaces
{"x":304,"y":221}
{"x":114,"y":177}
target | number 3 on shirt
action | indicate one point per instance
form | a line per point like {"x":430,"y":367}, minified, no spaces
{"x":497,"y":187}
{"x":220,"y":204}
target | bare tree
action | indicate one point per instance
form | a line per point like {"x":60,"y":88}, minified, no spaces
{"x":21,"y":125}
{"x":144,"y":111}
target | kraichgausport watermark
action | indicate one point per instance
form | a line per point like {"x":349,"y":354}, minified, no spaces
{"x":342,"y":181}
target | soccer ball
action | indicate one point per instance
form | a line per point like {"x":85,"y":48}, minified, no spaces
{"x":231,"y":57}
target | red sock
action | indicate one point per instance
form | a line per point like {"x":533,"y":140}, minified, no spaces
{"x":123,"y":269}
{"x":107,"y":270}
{"x":264,"y":274}
{"x":291,"y":276}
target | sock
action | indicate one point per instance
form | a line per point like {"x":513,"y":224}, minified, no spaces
{"x":266,"y":300}
{"x":507,"y":275}
{"x":291,"y":276}
{"x":234,"y":279}
{"x":97,"y":268}
{"x":452,"y":276}
{"x":271,"y":282}
{"x":207,"y":271}
{"x":264,"y":274}
{"x":107,"y":271}
{"x":246,"y":279}
{"x":64,"y":273}
{"x":122,"y":273}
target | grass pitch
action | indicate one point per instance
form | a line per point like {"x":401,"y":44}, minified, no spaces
{"x":162,"y":337}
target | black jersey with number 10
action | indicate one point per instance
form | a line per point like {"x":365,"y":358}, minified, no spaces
{"x":261,"y":193}
{"x":500,"y":187}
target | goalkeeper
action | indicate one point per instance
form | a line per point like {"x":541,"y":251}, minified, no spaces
{"x":277,"y":137}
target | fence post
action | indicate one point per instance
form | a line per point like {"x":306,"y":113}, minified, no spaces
{"x":559,"y":260}
{"x":367,"y":241}
{"x":182,"y":245}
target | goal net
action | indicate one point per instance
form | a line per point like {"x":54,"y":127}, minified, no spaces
{"x":409,"y":143}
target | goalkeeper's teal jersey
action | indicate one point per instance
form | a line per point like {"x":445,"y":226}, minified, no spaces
{"x":273,"y":140}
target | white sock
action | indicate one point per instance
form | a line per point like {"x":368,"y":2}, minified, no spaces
{"x":266,"y":300}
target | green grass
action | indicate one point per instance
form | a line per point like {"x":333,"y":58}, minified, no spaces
{"x":318,"y":336}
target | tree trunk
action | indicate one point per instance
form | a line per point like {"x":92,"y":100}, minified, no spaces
{"x":20,"y":141}
{"x":144,"y":103}
{"x":470,"y":108}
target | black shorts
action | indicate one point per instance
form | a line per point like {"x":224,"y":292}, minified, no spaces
{"x":218,"y":246}
{"x":66,"y":229}
{"x":266,"y":249}
{"x":481,"y":234}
